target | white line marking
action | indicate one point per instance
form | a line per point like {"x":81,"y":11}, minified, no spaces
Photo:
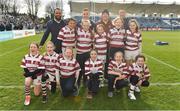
{"x":151,"y":84}
{"x":162,"y":62}
{"x":11,"y":51}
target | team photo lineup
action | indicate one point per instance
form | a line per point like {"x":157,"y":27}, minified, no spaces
{"x":86,"y":54}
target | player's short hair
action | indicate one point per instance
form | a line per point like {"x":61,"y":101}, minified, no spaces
{"x":85,"y":9}
{"x":57,"y":9}
{"x":35,"y":43}
{"x":136,"y":22}
{"x":140,"y":56}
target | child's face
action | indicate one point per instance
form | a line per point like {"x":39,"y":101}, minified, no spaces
{"x":118,"y":23}
{"x":118,"y":57}
{"x":69,"y":53}
{"x":72,"y":24}
{"x":49,"y":48}
{"x":140,"y":61}
{"x":133,"y":26}
{"x":85,"y":26}
{"x":100,"y":30}
{"x":85,"y":14}
{"x":93,"y":55}
{"x":33,"y":48}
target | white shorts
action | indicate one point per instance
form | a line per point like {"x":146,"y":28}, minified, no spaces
{"x":37,"y":81}
{"x":131,"y":55}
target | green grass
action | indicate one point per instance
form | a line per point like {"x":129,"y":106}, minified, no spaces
{"x":154,"y":97}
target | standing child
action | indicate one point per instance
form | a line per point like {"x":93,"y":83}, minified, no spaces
{"x":84,"y":46}
{"x":133,"y":42}
{"x":117,"y":73}
{"x":69,"y":71}
{"x":93,"y":69}
{"x":139,"y":76}
{"x":117,"y":37}
{"x":51,"y":75}
{"x":33,"y":70}
{"x":100,"y":44}
{"x":67,"y":34}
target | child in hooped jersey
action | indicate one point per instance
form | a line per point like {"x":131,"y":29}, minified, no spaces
{"x":100,"y":44}
{"x":33,"y":70}
{"x":68,"y":35}
{"x":51,"y":75}
{"x":83,"y":46}
{"x":117,"y":37}
{"x":117,"y":73}
{"x":93,"y":69}
{"x":69,"y":72}
{"x":133,"y":45}
{"x":139,"y":76}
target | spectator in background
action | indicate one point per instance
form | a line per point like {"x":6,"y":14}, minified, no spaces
{"x":53,"y":27}
{"x":122,"y":14}
{"x":2,"y":27}
{"x":85,"y":17}
{"x":8,"y":26}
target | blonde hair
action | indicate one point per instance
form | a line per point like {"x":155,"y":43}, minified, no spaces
{"x":118,"y":18}
{"x":35,"y":43}
{"x":51,"y":43}
{"x":137,"y":24}
{"x":71,"y":48}
{"x":100,"y":25}
{"x":83,"y":21}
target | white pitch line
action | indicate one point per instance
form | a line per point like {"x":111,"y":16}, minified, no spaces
{"x":162,"y":62}
{"x":11,"y":51}
{"x":151,"y":84}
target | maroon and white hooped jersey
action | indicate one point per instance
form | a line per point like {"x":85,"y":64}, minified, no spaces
{"x":133,"y":41}
{"x":32,"y":62}
{"x":100,"y":43}
{"x":93,"y":66}
{"x":51,"y":62}
{"x":84,"y":41}
{"x":121,"y":68}
{"x":68,"y":67}
{"x":117,"y":37}
{"x":135,"y":69}
{"x":67,"y":36}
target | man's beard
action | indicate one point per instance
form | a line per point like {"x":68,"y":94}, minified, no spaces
{"x":58,"y":18}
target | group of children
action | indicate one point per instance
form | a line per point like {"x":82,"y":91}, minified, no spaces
{"x":125,"y":64}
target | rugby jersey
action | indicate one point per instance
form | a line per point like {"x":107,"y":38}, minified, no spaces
{"x":68,"y":68}
{"x":135,"y":68}
{"x":91,"y":65}
{"x":117,"y":37}
{"x":122,"y":67}
{"x":133,"y":41}
{"x":67,"y":36}
{"x":32,"y":62}
{"x":100,"y":43}
{"x":84,"y":41}
{"x":51,"y":62}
